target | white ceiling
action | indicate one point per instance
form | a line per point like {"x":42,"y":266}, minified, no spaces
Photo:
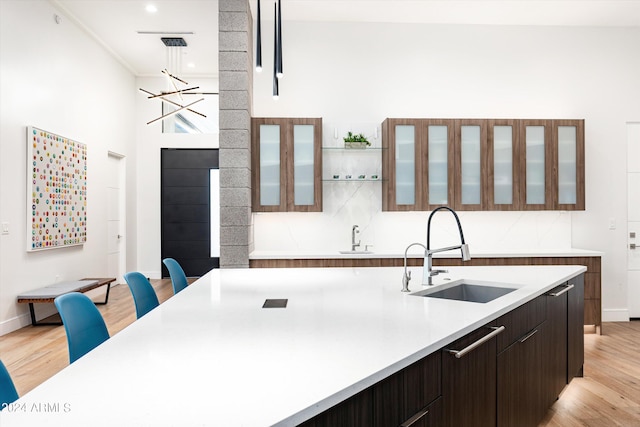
{"x":116,"y":23}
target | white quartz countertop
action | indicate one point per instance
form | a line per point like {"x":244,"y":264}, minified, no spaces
{"x":415,"y":252}
{"x":212,"y":356}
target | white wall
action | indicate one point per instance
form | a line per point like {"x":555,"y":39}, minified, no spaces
{"x":149,"y":141}
{"x":55,"y":77}
{"x":362,"y":73}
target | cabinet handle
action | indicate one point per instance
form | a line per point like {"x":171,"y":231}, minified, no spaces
{"x":566,"y":289}
{"x":529,"y":335}
{"x":459,"y":353}
{"x":411,"y":421}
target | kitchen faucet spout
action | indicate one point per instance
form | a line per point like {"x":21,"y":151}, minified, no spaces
{"x":428,"y":271}
{"x":354,"y":245}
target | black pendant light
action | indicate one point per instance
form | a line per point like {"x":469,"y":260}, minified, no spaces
{"x":279,"y":72}
{"x":259,"y":42}
{"x":275,"y":52}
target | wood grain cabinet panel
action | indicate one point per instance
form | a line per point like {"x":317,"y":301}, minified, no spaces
{"x":469,"y":394}
{"x":575,"y":328}
{"x":405,"y":397}
{"x":521,"y":380}
{"x":557,"y":327}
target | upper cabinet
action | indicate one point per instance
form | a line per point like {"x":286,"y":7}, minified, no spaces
{"x":417,"y":159}
{"x":286,"y":164}
{"x":480,"y":164}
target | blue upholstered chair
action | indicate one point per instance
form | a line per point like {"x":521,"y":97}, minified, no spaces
{"x":83,"y":324}
{"x":144,"y":296}
{"x":8,"y":393}
{"x":178,"y":278}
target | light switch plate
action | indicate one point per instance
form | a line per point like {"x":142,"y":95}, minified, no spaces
{"x":612,"y":223}
{"x":5,"y":228}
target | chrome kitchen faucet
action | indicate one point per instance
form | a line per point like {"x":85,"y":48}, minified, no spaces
{"x":354,"y":245}
{"x":428,"y":272}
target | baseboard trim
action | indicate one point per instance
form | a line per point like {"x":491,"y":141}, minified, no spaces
{"x":15,"y":323}
{"x":153,"y":274}
{"x":615,"y":315}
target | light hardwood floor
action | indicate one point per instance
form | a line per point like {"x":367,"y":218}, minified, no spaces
{"x":608,"y":395}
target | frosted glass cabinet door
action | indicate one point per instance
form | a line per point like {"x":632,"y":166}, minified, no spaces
{"x":569,"y":145}
{"x":502,"y":180}
{"x":405,"y":164}
{"x":535,"y":144}
{"x":503,"y":165}
{"x":567,"y":165}
{"x":270,"y":165}
{"x":438,"y":165}
{"x":470,"y":180}
{"x":303,"y":165}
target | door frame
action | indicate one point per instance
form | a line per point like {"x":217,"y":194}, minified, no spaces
{"x":122,"y":213}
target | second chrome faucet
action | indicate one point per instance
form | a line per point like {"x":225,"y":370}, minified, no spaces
{"x":354,"y":231}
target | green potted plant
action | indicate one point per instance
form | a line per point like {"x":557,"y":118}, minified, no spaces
{"x":356,"y":141}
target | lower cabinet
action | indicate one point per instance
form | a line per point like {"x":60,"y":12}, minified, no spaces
{"x":408,"y":398}
{"x":575,"y":339}
{"x":469,"y":379}
{"x":521,"y":365}
{"x":506,"y":373}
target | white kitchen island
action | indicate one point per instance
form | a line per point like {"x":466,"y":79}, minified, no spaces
{"x":212,"y":356}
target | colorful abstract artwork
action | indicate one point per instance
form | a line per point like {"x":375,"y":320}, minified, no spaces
{"x":57,"y":191}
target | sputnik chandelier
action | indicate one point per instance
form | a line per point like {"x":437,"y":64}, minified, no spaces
{"x":177,"y":86}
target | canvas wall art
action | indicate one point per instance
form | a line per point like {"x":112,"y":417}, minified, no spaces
{"x":56,"y":191}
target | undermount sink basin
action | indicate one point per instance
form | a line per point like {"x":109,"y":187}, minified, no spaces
{"x":355,"y":252}
{"x":466,"y":291}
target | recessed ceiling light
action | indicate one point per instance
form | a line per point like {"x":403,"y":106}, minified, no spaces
{"x":151,"y":8}
{"x":191,"y":65}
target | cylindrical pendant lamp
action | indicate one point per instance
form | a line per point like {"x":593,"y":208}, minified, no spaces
{"x":279,"y":71}
{"x":259,"y":42}
{"x":275,"y":52}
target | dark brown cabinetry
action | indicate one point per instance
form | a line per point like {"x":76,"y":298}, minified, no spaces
{"x":557,"y":332}
{"x":469,"y":381}
{"x":483,"y":164}
{"x":575,"y":329}
{"x":521,"y":366}
{"x":506,"y":373}
{"x":563,"y":322}
{"x":407,"y":398}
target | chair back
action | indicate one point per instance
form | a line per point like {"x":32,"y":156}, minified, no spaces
{"x":8,"y":393}
{"x":83,"y":323}
{"x":144,"y":296}
{"x":178,"y":278}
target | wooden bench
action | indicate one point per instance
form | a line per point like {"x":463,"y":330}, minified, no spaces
{"x":49,"y":293}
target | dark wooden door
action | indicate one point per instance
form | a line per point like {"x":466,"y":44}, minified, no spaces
{"x":186,"y":209}
{"x":521,"y":381}
{"x":469,"y":383}
{"x":575,"y":329}
{"x":557,"y":343}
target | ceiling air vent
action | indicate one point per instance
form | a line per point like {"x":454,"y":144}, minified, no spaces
{"x":173,"y":41}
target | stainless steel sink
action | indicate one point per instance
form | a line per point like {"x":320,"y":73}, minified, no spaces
{"x":466,"y":291}
{"x":355,"y":252}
